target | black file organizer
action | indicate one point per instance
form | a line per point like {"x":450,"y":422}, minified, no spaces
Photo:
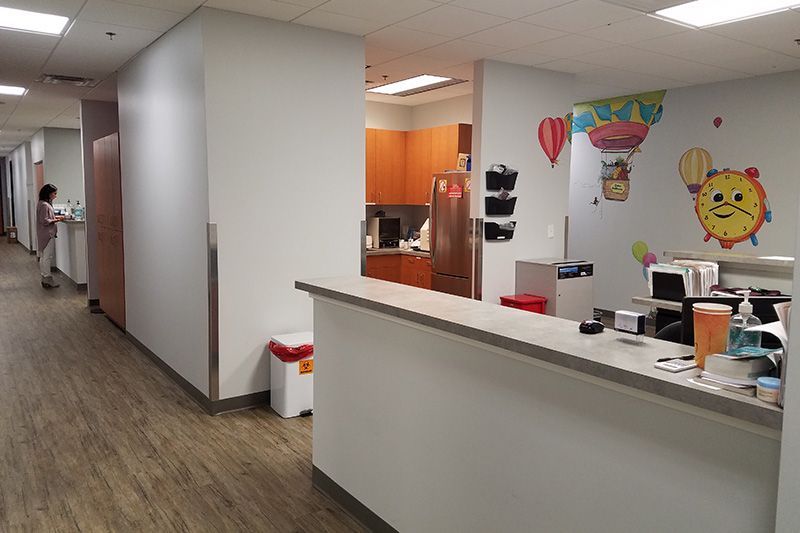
{"x":497,"y":207}
{"x":667,"y":286}
{"x":496,"y":181}
{"x":493,"y":232}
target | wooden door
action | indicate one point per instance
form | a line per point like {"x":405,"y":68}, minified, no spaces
{"x":110,"y":237}
{"x":390,"y":166}
{"x":418,"y":167}
{"x":372,"y":194}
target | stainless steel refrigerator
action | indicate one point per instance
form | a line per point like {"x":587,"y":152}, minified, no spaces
{"x":456,"y":238}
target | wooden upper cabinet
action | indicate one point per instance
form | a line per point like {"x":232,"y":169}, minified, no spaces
{"x":446,"y":143}
{"x":372,"y":193}
{"x":400,"y":164}
{"x":418,"y":167}
{"x":390,"y":166}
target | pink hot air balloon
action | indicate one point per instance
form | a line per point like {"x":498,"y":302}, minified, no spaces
{"x":552,"y":136}
{"x":717,"y":122}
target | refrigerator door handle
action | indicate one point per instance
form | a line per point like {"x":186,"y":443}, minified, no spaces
{"x":432,"y":223}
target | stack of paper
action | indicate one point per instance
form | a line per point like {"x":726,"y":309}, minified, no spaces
{"x":698,"y":276}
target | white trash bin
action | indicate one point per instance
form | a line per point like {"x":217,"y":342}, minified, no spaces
{"x":291,"y":383}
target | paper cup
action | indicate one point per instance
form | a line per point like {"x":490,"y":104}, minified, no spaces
{"x":711,"y":323}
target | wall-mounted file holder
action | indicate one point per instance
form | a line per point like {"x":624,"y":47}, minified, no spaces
{"x":496,"y":181}
{"x":497,"y":207}
{"x":493,"y":232}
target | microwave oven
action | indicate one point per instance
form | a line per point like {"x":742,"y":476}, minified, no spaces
{"x":385,"y":231}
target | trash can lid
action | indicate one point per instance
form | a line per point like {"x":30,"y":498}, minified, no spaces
{"x":523,"y":299}
{"x":294,"y":339}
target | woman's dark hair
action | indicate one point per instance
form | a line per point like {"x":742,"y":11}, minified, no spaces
{"x":46,"y":191}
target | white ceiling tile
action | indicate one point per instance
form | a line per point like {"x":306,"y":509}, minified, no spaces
{"x":310,"y":4}
{"x":461,"y":51}
{"x":106,"y":91}
{"x":465,"y":71}
{"x":262,"y":8}
{"x":340,"y":23}
{"x":683,"y":43}
{"x":776,"y":32}
{"x":452,"y":21}
{"x":514,"y":35}
{"x":385,"y":11}
{"x":581,"y":15}
{"x":108,"y":12}
{"x":87,"y":51}
{"x":647,"y":6}
{"x":21,"y":39}
{"x":523,"y":56}
{"x":512,"y":9}
{"x":375,"y":56}
{"x":410,"y":65}
{"x":635,"y":29}
{"x":570,"y":46}
{"x":586,"y":92}
{"x":179,"y":6}
{"x":403,"y":39}
{"x":21,"y":63}
{"x":571,"y":66}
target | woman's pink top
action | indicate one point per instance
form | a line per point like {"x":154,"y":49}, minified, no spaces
{"x":46,"y":227}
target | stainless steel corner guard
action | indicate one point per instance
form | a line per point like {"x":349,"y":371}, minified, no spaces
{"x":213,"y":313}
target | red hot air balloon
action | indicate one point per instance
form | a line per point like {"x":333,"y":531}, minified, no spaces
{"x":717,"y":122}
{"x":552,"y":136}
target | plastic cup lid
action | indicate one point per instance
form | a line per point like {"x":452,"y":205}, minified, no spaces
{"x":711,"y":308}
{"x":769,"y":382}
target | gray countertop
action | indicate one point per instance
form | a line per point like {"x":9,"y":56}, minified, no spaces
{"x":397,"y":251}
{"x":553,"y":340}
{"x":72,"y":221}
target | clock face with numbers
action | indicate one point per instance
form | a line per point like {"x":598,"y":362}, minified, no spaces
{"x":731,"y":207}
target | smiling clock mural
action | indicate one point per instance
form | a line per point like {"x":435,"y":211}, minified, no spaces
{"x":732,"y":206}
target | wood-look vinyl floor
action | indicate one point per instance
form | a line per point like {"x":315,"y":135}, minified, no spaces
{"x":93,"y":437}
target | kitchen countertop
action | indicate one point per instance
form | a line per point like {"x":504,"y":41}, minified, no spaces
{"x":397,"y":251}
{"x":72,"y":221}
{"x":549,"y":339}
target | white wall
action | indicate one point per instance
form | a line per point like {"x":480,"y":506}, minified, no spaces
{"x":510,"y":101}
{"x":62,"y":163}
{"x":388,"y":116}
{"x":22,"y":164}
{"x":37,"y":147}
{"x":756,"y":131}
{"x":165,"y":200}
{"x":456,"y":110}
{"x":98,"y":119}
{"x":287,"y":189}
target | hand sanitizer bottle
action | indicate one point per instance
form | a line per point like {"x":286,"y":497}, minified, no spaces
{"x":69,"y":209}
{"x":78,"y":211}
{"x":738,"y":337}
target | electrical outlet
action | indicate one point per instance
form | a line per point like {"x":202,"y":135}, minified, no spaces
{"x":551,"y":231}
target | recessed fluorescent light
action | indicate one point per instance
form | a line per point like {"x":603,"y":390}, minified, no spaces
{"x":704,"y":13}
{"x":21,"y":20}
{"x":414,"y":85}
{"x":13,"y":91}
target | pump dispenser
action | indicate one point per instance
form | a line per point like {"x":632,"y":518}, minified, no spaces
{"x":738,"y":336}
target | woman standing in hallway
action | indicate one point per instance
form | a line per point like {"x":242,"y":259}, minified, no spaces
{"x":46,"y":231}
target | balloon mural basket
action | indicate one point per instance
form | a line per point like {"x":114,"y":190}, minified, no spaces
{"x":616,"y":190}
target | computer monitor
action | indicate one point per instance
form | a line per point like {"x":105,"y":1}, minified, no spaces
{"x":762,"y":308}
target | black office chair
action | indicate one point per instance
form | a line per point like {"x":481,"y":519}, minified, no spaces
{"x":671,"y":332}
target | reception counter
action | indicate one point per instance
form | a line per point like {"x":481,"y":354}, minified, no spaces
{"x":71,"y":250}
{"x":438,"y":413}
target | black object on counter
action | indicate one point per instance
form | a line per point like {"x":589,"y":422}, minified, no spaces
{"x":591,"y":327}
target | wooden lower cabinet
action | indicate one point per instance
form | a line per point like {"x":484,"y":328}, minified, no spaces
{"x":408,"y":270}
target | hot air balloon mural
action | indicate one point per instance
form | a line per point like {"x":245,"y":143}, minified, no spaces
{"x":693,"y":167}
{"x":568,"y":121}
{"x":618,"y":126}
{"x":552,"y":136}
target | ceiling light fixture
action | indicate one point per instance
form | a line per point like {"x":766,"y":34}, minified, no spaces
{"x":705,"y":13}
{"x":31,"y":21}
{"x":415,"y":85}
{"x":13,"y":91}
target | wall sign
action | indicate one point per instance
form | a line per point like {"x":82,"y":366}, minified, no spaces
{"x":455,"y":191}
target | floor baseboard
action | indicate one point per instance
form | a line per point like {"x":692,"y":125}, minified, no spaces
{"x":349,"y":503}
{"x":212,"y":407}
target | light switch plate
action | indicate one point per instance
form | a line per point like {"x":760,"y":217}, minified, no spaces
{"x":551,"y":231}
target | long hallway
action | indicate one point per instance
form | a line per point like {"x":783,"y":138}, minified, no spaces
{"x":95,"y":438}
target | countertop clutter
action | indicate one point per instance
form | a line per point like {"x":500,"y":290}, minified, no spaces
{"x":397,"y":251}
{"x":549,"y":339}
